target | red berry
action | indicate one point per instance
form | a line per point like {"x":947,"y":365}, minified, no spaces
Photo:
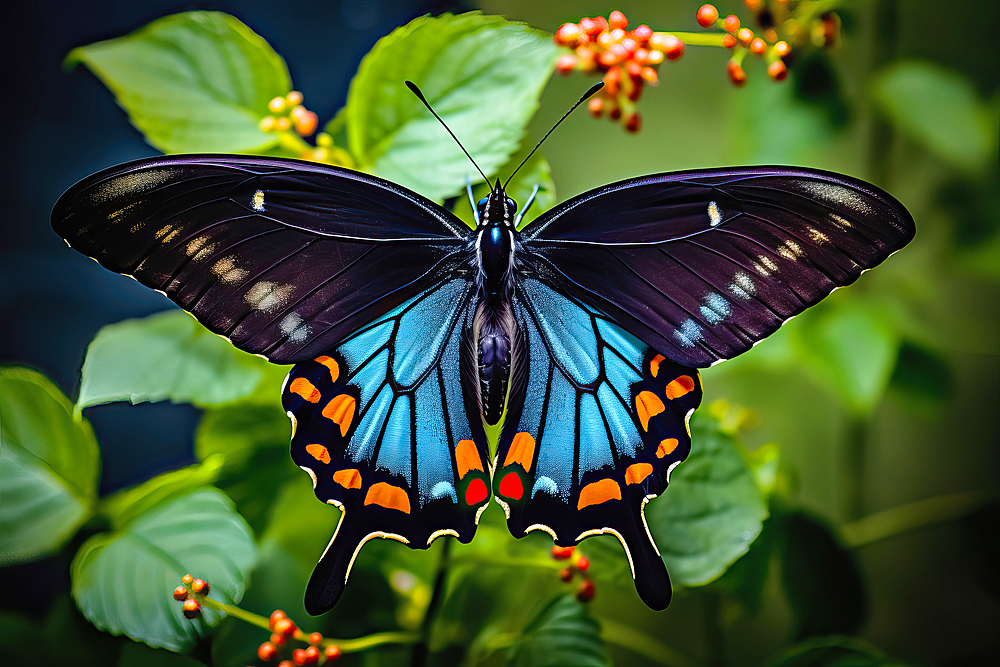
{"x":299,"y":656}
{"x":332,"y":652}
{"x":707,"y":15}
{"x":731,"y":23}
{"x":315,"y":638}
{"x":642,"y":33}
{"x":617,"y":19}
{"x":753,"y":5}
{"x":276,"y":615}
{"x":192,"y":609}
{"x":566,"y":575}
{"x":632,"y":124}
{"x":615,"y":113}
{"x":200,"y":586}
{"x":180,"y":594}
{"x":649,"y":76}
{"x":595,"y":106}
{"x":582,"y":563}
{"x":777,"y":70}
{"x":277,"y":640}
{"x":612,"y":84}
{"x":593,"y":26}
{"x":736,"y":74}
{"x":566,"y":63}
{"x":630,"y":45}
{"x":728,"y":41}
{"x":286,"y":663}
{"x":634,"y":69}
{"x":284,"y":627}
{"x":187,"y":578}
{"x":312,"y":654}
{"x":673,"y":48}
{"x":569,"y":34}
{"x":758,"y":46}
{"x":267,"y":651}
{"x":745,"y":35}
{"x":782,"y":49}
{"x":585,"y":592}
{"x":562,"y":553}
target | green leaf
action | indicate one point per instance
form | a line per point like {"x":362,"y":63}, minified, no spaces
{"x":745,"y":579}
{"x":126,"y":505}
{"x":536,"y":171}
{"x":122,"y":580}
{"x":482,"y":74}
{"x":939,"y":109}
{"x":196,"y":82}
{"x":167,"y":356}
{"x":49,"y":467}
{"x":712,"y":510}
{"x":835,"y":651}
{"x":850,"y":346}
{"x":821,"y":579}
{"x":922,"y":378}
{"x":562,"y":634}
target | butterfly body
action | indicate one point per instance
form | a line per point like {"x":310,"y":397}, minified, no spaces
{"x":437,"y":366}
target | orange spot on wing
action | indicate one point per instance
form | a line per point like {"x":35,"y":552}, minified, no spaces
{"x":637,"y":472}
{"x":341,"y":411}
{"x":319,"y":453}
{"x":666,"y":447}
{"x":654,"y":364}
{"x":305,"y":389}
{"x":647,"y":405}
{"x":389,"y":496}
{"x":330,"y":363}
{"x":467,"y":458}
{"x":680,"y":386}
{"x":599,"y":492}
{"x":522,"y":450}
{"x":349,"y":479}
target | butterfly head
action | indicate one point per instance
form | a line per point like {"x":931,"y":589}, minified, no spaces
{"x":496,"y":208}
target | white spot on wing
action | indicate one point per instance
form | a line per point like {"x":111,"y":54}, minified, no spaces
{"x":714,"y":214}
{"x":267,"y":296}
{"x":716,"y":308}
{"x":257,"y":201}
{"x":743,"y":286}
{"x":295,"y":328}
{"x":228,"y":272}
{"x":688,"y":333}
{"x":818,"y":236}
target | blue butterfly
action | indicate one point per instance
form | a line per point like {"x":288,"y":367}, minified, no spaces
{"x":437,"y":366}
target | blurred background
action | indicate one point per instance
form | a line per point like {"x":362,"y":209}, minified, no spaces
{"x":883,"y":398}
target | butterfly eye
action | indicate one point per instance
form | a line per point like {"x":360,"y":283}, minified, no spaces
{"x":482,"y":202}
{"x":512,"y":205}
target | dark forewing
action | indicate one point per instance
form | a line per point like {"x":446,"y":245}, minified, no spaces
{"x":282,"y":257}
{"x":702,"y":265}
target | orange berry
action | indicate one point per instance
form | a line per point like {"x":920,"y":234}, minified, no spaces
{"x":728,"y":41}
{"x":745,"y":35}
{"x":332,"y":652}
{"x":312,"y":654}
{"x":582,"y":563}
{"x":293,"y":98}
{"x":267,"y":651}
{"x":276,"y":615}
{"x":633,"y":69}
{"x":642,"y":33}
{"x":566,"y":575}
{"x":306,"y":123}
{"x":617,"y":19}
{"x":299,"y":656}
{"x":707,"y":15}
{"x":630,"y":45}
{"x":187,"y":578}
{"x":277,"y":640}
{"x":593,"y":26}
{"x":200,"y":586}
{"x":640,"y":56}
{"x":569,"y":34}
{"x":276,"y":104}
{"x":736,"y":74}
{"x":566,"y":64}
{"x":192,"y":609}
{"x":777,"y":70}
{"x":562,"y":553}
{"x":595,"y":106}
{"x":266,"y":123}
{"x":782,"y":49}
{"x":731,"y":23}
{"x":285,"y":627}
{"x":649,"y":76}
{"x":612,"y":84}
{"x":315,"y":638}
{"x":655,"y":57}
{"x":286,"y":663}
{"x":616,"y":35}
{"x":753,"y":5}
{"x":673,"y":48}
{"x":771,"y":35}
{"x":180,"y":594}
{"x":758,"y":46}
{"x":283,"y":123}
{"x":585,"y":592}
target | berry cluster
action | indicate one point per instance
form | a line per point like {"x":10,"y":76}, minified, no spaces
{"x":288,"y":112}
{"x":283,"y":631}
{"x":578,"y":563}
{"x":192,"y":594}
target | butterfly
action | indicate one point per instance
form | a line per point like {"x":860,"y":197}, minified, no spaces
{"x":552,"y":368}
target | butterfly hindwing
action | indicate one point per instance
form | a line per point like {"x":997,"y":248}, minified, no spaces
{"x":702,"y":265}
{"x":381,"y":428}
{"x":604,"y":422}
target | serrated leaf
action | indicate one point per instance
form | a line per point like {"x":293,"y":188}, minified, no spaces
{"x":167,"y":356}
{"x":49,"y":467}
{"x":563,"y":634}
{"x":851,"y":348}
{"x":195,"y":82}
{"x":536,"y":171}
{"x":124,"y":506}
{"x":122,"y":579}
{"x":939,"y":109}
{"x":712,"y":510}
{"x":822,"y":582}
{"x":482,"y":74}
{"x":835,"y":651}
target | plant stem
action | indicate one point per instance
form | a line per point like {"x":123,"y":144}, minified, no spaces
{"x":699,"y":38}
{"x":421,"y":648}
{"x":907,"y":517}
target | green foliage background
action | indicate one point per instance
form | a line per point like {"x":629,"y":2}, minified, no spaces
{"x":841,"y":491}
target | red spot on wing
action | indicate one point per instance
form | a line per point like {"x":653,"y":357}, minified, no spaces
{"x":511,"y":486}
{"x":476,"y":493}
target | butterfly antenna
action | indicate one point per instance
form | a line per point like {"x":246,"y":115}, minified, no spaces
{"x":416,"y":91}
{"x":593,"y":89}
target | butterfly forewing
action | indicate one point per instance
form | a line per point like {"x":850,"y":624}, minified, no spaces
{"x":702,"y":265}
